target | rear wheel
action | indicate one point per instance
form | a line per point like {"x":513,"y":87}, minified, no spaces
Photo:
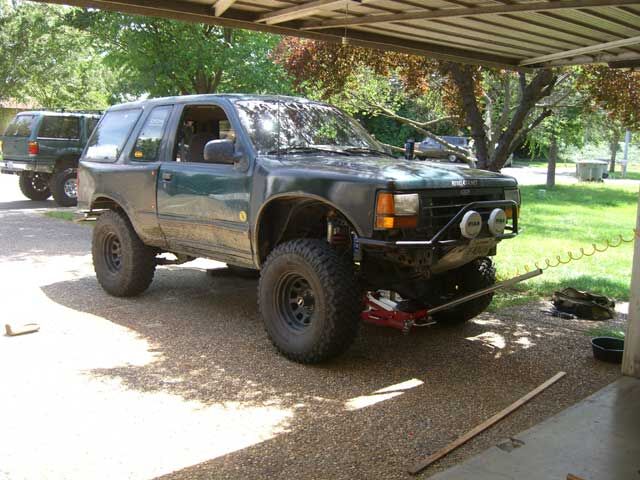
{"x":64,"y":187}
{"x":35,"y":186}
{"x":123,"y":264}
{"x":472,"y":277}
{"x":308,"y":300}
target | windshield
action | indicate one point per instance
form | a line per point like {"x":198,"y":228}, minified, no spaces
{"x":301,"y":126}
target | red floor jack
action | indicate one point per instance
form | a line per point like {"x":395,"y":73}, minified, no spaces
{"x":384,"y":311}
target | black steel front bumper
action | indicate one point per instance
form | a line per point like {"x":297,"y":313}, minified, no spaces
{"x":438,"y":241}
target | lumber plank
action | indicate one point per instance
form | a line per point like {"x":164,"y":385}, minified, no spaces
{"x":424,"y":463}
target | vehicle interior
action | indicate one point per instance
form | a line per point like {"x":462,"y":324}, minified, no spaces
{"x":199,"y":125}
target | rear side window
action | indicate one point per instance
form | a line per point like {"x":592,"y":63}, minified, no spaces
{"x":60,"y":127}
{"x":111,"y":134}
{"x":20,"y":126}
{"x":147,"y":145}
{"x":91,"y":125}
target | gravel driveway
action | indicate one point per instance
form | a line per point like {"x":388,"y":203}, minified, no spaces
{"x":182,"y":382}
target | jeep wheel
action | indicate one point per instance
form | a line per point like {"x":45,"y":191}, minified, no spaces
{"x":452,"y":157}
{"x":123,"y":264}
{"x":64,"y":187}
{"x":472,"y":277}
{"x":35,"y":186}
{"x":308,"y":300}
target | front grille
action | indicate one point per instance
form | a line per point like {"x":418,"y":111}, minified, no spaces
{"x":438,"y":207}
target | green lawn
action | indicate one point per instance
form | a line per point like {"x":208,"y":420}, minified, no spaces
{"x":60,"y":215}
{"x":567,"y":218}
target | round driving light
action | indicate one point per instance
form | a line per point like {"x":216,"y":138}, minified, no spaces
{"x":497,"y":221}
{"x":471,"y":224}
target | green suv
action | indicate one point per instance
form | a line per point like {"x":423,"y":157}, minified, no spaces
{"x":43,"y":149}
{"x":300,"y":191}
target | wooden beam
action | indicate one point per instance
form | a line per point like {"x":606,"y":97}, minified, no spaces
{"x":299,"y":11}
{"x":601,"y":58}
{"x":581,"y":51}
{"x":465,"y":12}
{"x":222,"y":6}
{"x":631,"y":355}
{"x":200,"y":13}
{"x":424,"y":463}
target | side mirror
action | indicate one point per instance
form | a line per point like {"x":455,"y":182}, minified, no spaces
{"x":220,"y":151}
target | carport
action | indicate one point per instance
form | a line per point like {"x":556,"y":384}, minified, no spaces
{"x":496,"y":33}
{"x":511,"y":34}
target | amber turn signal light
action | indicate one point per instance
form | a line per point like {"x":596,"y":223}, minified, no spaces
{"x":386,"y":216}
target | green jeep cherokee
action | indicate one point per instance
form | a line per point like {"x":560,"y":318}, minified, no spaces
{"x":43,"y":149}
{"x":300,"y":191}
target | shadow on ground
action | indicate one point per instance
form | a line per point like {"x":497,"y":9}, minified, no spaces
{"x":210,"y":347}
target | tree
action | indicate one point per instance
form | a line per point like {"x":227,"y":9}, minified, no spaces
{"x":497,"y":127}
{"x":618,"y":93}
{"x":47,"y":61}
{"x":165,"y":57}
{"x":614,"y":90}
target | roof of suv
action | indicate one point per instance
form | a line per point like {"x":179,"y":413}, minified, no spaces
{"x":204,"y":97}
{"x":58,"y":114}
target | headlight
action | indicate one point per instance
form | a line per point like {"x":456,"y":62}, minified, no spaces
{"x":406,"y":203}
{"x":513,"y":194}
{"x":397,"y":210}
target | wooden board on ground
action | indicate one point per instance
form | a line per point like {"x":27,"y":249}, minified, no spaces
{"x":424,"y":463}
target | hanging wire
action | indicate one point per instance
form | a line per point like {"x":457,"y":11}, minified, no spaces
{"x":557,"y":260}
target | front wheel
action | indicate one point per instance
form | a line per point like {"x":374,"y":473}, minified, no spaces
{"x":65,"y":188}
{"x":470,"y":278}
{"x":123,"y":264}
{"x":35,"y":186}
{"x":308,"y":300}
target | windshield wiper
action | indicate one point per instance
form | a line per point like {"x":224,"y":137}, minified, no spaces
{"x":368,"y":150}
{"x":303,"y":149}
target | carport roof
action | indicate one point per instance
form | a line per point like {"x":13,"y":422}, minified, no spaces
{"x":506,"y":33}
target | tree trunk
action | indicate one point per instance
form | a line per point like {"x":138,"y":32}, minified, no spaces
{"x":553,"y":160}
{"x":462,"y":76}
{"x":614,"y":141}
{"x":539,"y":87}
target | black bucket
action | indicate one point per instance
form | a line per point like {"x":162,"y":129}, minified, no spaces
{"x":608,"y":349}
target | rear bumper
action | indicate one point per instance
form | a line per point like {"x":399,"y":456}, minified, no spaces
{"x":16,"y":167}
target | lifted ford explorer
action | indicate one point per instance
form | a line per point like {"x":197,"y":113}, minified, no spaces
{"x":300,"y":191}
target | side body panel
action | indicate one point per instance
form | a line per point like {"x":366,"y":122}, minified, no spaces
{"x":203,"y":207}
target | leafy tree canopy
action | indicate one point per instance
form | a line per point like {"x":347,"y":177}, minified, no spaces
{"x":47,"y":61}
{"x":165,"y":57}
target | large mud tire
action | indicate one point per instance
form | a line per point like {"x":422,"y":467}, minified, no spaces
{"x":64,"y":187}
{"x":472,"y":277}
{"x":123,"y":264}
{"x":35,"y":186}
{"x":308,"y":300}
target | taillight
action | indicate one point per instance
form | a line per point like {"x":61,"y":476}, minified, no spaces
{"x":33,"y":148}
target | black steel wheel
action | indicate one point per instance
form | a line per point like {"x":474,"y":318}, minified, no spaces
{"x":35,"y":186}
{"x":124,"y":265}
{"x":296,"y":301}
{"x":308,"y":300}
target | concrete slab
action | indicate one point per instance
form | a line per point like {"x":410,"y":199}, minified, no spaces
{"x":598,"y":438}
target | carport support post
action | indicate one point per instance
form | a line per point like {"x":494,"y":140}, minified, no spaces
{"x":631,"y":357}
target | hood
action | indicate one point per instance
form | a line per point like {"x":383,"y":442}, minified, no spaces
{"x":397,"y":174}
